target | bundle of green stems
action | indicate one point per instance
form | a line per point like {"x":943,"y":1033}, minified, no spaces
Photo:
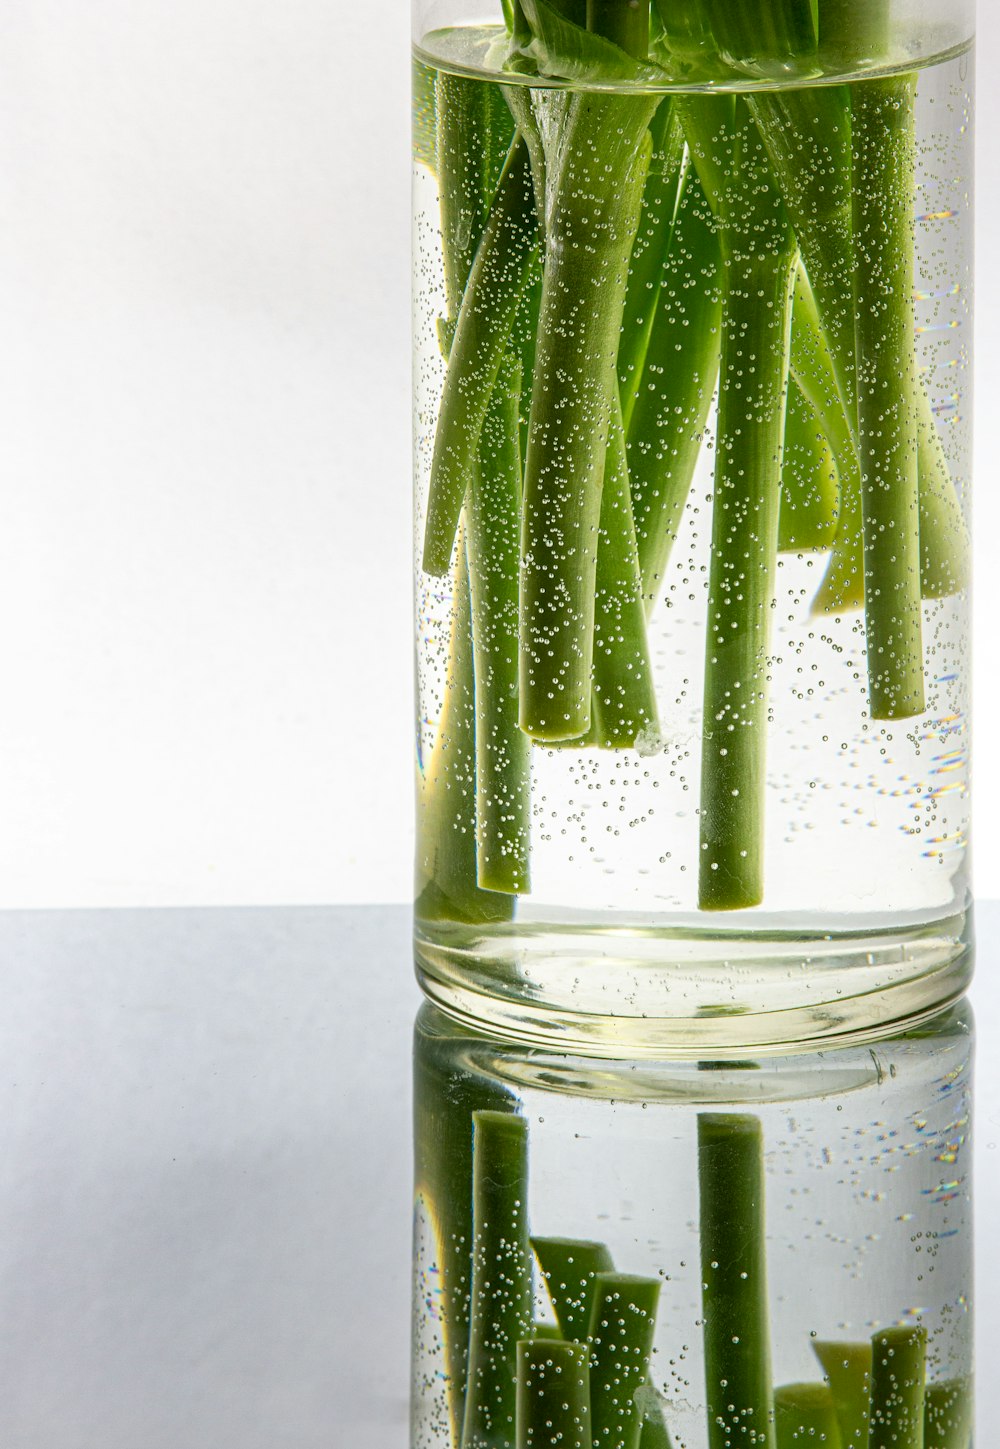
{"x":622,"y":247}
{"x":580,"y":1377}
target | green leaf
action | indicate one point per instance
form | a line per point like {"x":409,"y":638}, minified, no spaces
{"x":563,"y":50}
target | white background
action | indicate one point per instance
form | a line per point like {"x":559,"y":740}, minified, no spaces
{"x":205,"y":653}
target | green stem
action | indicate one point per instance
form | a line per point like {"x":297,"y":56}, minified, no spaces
{"x":685,"y":28}
{"x":768,"y":38}
{"x":807,"y":136}
{"x":759,"y":258}
{"x":944,"y":542}
{"x":852,"y":33}
{"x":485,"y":316}
{"x":570,"y":1267}
{"x":524,"y":342}
{"x":759,"y":255}
{"x":443,"y":1104}
{"x":883,"y":298}
{"x":709,"y":125}
{"x":500,"y":1312}
{"x":848,"y":1367}
{"x":503,"y":131}
{"x":447,"y":886}
{"x":810,"y":493}
{"x":590,"y":235}
{"x":517,"y":24}
{"x":948,"y":1414}
{"x":945,"y":546}
{"x":624,"y":700}
{"x":519,"y":102}
{"x":503,"y":753}
{"x":575,"y":11}
{"x":813,"y":370}
{"x":553,"y":1396}
{"x":816,"y":123}
{"x":670,"y":414}
{"x":424,"y":114}
{"x":625,"y":22}
{"x":734,"y":1282}
{"x":815,"y":373}
{"x":622,"y":1324}
{"x":468,"y":125}
{"x":647,"y":275}
{"x":898,"y":1388}
{"x":463,"y":160}
{"x":804,"y":1416}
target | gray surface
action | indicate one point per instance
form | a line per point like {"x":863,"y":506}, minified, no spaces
{"x":205,"y":1208}
{"x":205,"y":1205}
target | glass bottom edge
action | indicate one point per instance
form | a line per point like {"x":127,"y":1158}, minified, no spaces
{"x":614,"y":992}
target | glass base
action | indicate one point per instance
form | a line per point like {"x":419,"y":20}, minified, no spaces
{"x":679,"y":993}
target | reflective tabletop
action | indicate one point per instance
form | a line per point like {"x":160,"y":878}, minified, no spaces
{"x":205,"y":1197}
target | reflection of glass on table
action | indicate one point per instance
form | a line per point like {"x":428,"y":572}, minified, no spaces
{"x":737,"y":1245}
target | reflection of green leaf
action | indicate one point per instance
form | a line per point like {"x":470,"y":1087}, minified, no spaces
{"x":569,"y":53}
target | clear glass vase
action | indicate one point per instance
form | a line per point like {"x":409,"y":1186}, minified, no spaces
{"x":773,"y":1252}
{"x":692,"y":454}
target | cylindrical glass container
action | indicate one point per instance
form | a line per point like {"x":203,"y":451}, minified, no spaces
{"x":772,"y":1252}
{"x":692,"y":441}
